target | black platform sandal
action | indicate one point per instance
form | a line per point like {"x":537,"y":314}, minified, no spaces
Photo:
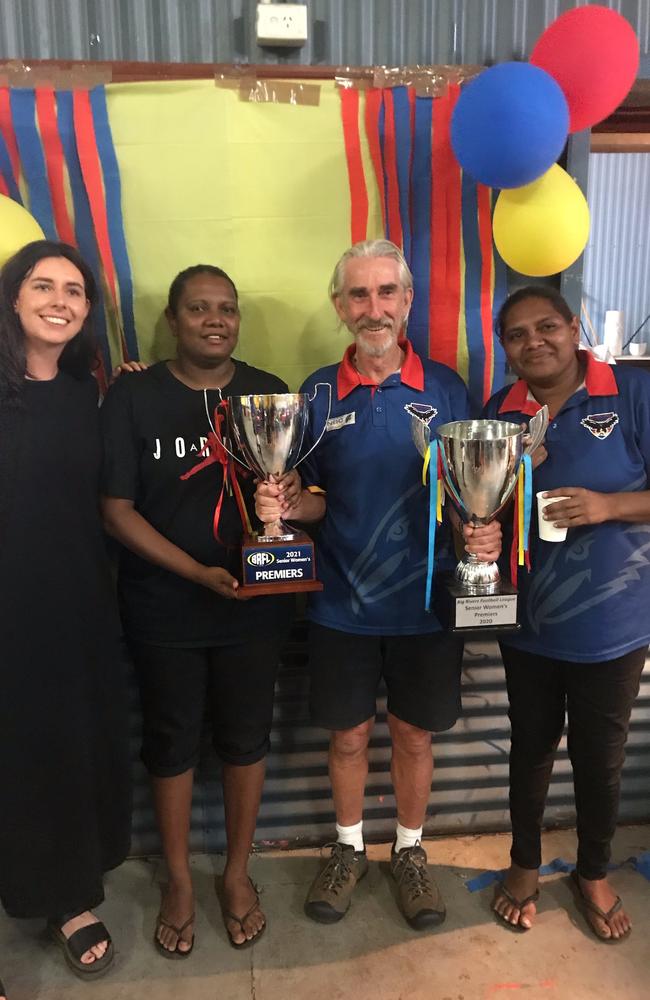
{"x":79,"y":943}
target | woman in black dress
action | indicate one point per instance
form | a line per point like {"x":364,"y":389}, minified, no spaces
{"x":64,"y":767}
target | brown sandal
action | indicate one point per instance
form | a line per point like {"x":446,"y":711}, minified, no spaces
{"x":228,"y":915}
{"x":588,"y":906}
{"x":176,"y":952}
{"x":503,"y":890}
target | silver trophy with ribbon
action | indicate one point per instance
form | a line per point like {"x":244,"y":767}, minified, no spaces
{"x":480,"y":461}
{"x":269,"y":431}
{"x":480,"y":465}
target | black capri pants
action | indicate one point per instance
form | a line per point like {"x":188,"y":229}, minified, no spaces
{"x":232,"y":685}
{"x":597,"y":699}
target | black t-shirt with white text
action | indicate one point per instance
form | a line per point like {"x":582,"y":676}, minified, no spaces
{"x":154,"y":428}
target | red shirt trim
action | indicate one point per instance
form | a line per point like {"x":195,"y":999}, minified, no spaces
{"x":599,"y":381}
{"x":348,"y":378}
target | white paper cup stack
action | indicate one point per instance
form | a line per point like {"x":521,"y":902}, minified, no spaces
{"x":614,"y":330}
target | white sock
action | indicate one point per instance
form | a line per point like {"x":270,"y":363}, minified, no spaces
{"x":352,"y":835}
{"x":406,"y":838}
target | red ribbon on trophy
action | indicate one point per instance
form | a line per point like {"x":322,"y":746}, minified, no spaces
{"x":214,"y":451}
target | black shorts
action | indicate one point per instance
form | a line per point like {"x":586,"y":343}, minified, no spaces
{"x":232,"y":685}
{"x":422,"y":675}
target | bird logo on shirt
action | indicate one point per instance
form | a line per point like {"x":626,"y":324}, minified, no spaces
{"x":600,"y":425}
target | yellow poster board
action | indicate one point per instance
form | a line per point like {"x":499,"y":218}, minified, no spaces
{"x":259,"y":189}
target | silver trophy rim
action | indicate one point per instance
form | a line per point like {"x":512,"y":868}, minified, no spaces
{"x":458,"y":430}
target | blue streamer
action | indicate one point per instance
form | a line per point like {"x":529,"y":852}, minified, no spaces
{"x":418,"y":326}
{"x":403,"y":142}
{"x":83,"y":222}
{"x":7,"y":171}
{"x":113,"y":191}
{"x":433,"y":508}
{"x":23,"y":113}
{"x":528,"y":497}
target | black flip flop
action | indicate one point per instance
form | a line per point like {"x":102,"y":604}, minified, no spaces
{"x":588,"y":905}
{"x":503,"y":890}
{"x":227,"y":915}
{"x":79,"y":943}
{"x":176,"y":952}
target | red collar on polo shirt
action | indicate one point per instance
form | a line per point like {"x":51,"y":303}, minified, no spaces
{"x":599,"y":381}
{"x":348,"y":378}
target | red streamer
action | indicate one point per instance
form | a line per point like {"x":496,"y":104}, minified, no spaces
{"x":7,"y":129}
{"x":374,"y":99}
{"x":445,"y":291}
{"x":356,"y":176}
{"x":54,"y":161}
{"x":390,"y":163}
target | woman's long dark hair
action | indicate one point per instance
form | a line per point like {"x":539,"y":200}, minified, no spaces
{"x":79,"y":356}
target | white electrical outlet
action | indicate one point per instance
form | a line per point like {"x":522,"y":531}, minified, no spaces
{"x":281,"y":24}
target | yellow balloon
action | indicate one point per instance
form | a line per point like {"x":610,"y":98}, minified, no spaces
{"x":543,"y":227}
{"x":17,"y":227}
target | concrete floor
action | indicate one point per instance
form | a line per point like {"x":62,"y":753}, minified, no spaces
{"x":371,"y":954}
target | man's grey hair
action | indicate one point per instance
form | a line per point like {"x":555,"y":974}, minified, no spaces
{"x":370,"y":248}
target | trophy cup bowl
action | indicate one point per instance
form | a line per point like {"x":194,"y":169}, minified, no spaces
{"x":269,"y":431}
{"x":480,"y":463}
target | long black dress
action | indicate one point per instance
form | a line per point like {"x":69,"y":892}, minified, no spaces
{"x":64,"y":763}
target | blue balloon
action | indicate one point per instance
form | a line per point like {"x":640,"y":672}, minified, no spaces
{"x":509,"y":125}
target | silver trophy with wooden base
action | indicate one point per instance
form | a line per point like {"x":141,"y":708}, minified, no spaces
{"x":269,"y":430}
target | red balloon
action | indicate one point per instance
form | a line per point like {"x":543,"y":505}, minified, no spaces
{"x":593,"y":53}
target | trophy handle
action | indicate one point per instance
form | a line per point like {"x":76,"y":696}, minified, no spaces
{"x":329,"y":410}
{"x":222,"y":402}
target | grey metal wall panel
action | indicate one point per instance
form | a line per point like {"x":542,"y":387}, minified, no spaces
{"x":342,"y":32}
{"x":470,"y":787}
{"x":617,"y":257}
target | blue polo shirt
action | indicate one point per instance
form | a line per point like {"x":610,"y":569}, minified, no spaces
{"x":588,"y":598}
{"x":371,"y":549}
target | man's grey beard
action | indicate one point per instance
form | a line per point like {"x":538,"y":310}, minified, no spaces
{"x":371,"y":347}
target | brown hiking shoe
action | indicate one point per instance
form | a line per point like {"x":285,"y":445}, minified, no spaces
{"x":418,"y":897}
{"x":328,"y":899}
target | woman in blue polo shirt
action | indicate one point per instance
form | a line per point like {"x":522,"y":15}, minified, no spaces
{"x":584,"y":605}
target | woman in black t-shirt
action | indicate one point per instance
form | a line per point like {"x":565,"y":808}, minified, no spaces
{"x":196,"y":643}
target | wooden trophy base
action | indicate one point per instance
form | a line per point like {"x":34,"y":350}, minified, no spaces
{"x":278,"y":567}
{"x":480,"y":615}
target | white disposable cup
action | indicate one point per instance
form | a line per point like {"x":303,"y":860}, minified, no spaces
{"x":547,"y":530}
{"x":637,"y":348}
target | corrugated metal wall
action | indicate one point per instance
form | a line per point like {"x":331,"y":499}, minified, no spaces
{"x":616,"y":271}
{"x":342,"y":32}
{"x":470,"y":787}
